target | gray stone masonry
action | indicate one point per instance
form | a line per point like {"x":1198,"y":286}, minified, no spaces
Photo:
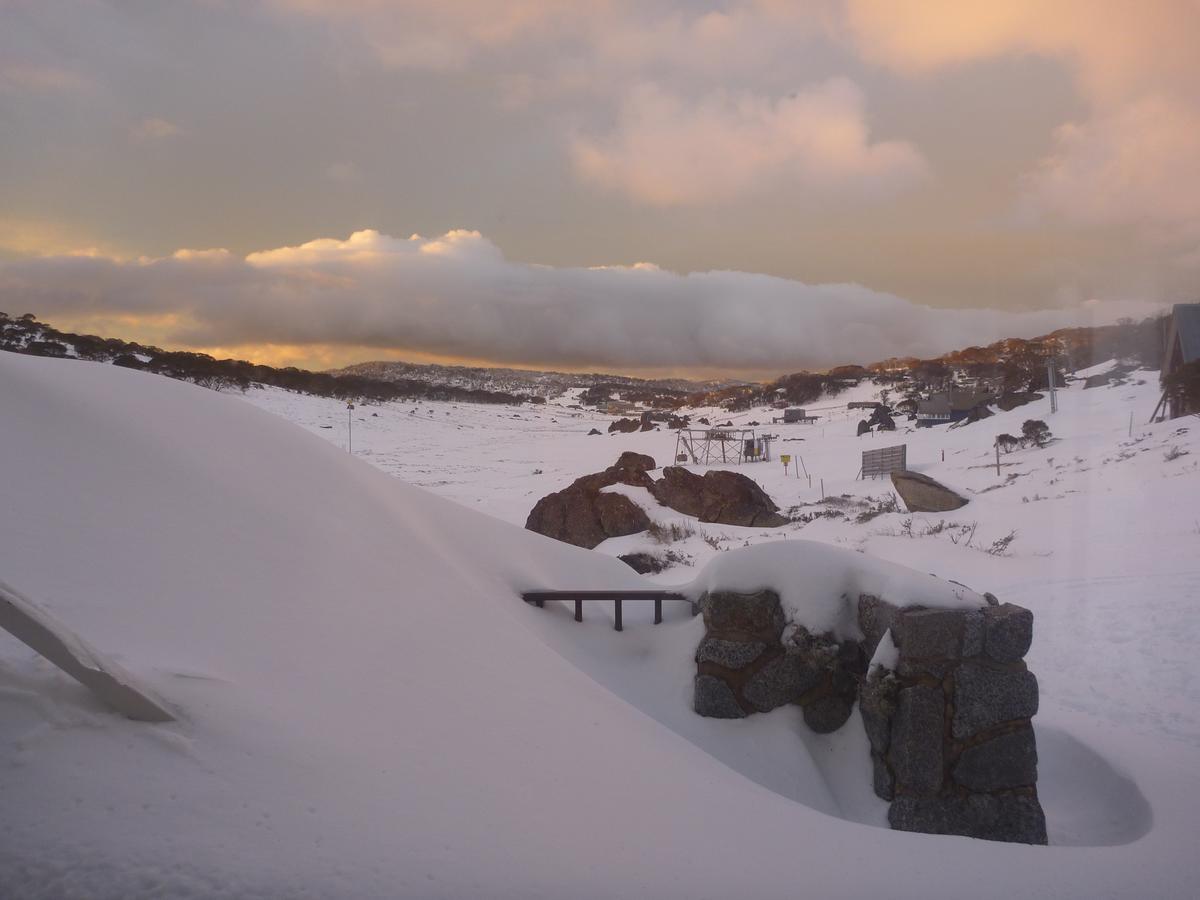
{"x":950,"y":736}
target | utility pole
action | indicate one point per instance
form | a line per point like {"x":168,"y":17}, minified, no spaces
{"x":1050,"y":381}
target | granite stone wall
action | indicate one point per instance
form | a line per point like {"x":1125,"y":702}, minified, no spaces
{"x":948,"y":716}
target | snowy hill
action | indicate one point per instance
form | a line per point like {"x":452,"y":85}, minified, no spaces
{"x":367,"y":709}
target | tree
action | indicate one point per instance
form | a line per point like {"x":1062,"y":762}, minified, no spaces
{"x":1037,"y":432}
{"x":1007,"y":442}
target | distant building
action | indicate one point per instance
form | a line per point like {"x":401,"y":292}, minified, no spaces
{"x":621,"y":408}
{"x":1183,"y":347}
{"x":952,"y":406}
{"x":934,"y":411}
{"x":793,"y":414}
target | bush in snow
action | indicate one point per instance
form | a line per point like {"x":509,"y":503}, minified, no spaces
{"x":1037,"y":432}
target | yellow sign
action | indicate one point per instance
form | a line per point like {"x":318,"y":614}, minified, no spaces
{"x":785,"y":458}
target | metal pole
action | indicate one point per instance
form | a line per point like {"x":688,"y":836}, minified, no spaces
{"x":350,"y":427}
{"x":997,"y":459}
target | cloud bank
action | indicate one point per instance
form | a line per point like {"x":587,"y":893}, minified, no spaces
{"x":457,"y":296}
{"x":667,"y":152}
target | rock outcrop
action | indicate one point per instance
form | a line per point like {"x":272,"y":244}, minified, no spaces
{"x":726,"y":498}
{"x":581,"y":515}
{"x":921,"y":493}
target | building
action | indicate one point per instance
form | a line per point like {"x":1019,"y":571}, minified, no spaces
{"x":793,"y":414}
{"x":952,"y":406}
{"x":1183,"y":347}
{"x":621,"y":408}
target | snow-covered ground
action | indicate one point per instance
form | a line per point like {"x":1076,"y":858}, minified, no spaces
{"x":368,"y":709}
{"x":1107,"y":527}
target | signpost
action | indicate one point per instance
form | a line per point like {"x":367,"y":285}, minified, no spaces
{"x":349,"y":427}
{"x":785,"y":458}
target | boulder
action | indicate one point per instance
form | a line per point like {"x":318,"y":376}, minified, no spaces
{"x":594,"y":431}
{"x":921,"y":493}
{"x":581,"y":515}
{"x":619,"y":515}
{"x":624,"y":426}
{"x":721,"y":497}
{"x":781,"y":681}
{"x":827,"y":714}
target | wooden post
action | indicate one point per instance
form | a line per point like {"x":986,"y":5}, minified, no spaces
{"x":657,"y":610}
{"x":997,"y":459}
{"x":617,"y":616}
{"x":578,"y":609}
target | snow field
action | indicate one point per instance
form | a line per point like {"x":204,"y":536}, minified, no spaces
{"x":368,"y":710}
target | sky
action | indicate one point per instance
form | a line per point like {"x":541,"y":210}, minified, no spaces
{"x":700,"y":188}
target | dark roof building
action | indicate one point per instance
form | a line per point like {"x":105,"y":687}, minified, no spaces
{"x":1183,"y":347}
{"x":949,"y":407}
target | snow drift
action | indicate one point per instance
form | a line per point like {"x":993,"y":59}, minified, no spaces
{"x":366,"y":707}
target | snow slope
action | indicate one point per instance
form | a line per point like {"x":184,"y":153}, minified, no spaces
{"x":368,"y":710}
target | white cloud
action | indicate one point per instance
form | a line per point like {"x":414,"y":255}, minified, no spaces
{"x":456,"y":295}
{"x":1137,"y":163}
{"x":1133,"y":160}
{"x":666,"y":151}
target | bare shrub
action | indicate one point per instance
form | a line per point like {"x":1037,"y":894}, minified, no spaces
{"x":669,"y":534}
{"x":999,"y":546}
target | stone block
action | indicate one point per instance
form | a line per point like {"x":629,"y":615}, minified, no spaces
{"x":876,"y":704}
{"x":986,"y":695}
{"x":875,"y":617}
{"x":916,"y":742}
{"x":929,"y":633}
{"x":972,"y":644}
{"x":1008,"y":632}
{"x":1012,"y":817}
{"x":885,"y":787}
{"x":729,"y":654}
{"x":1007,"y":761}
{"x":727,"y":613}
{"x":782,"y":680}
{"x":714,"y":698}
{"x":828,"y":714}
